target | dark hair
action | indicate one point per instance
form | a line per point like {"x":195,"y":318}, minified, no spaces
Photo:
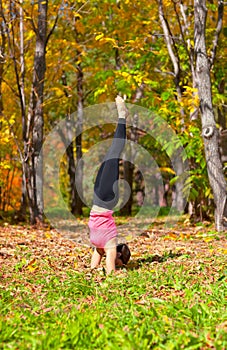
{"x":124,"y":250}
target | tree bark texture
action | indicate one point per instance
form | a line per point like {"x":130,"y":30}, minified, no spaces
{"x":34,"y":129}
{"x":77,"y":205}
{"x":2,"y":57}
{"x":22,"y":212}
{"x":2,"y":61}
{"x":209,"y":130}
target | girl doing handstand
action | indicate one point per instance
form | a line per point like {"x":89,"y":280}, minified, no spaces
{"x":103,"y":231}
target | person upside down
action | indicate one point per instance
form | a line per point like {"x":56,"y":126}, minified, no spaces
{"x":103,"y":231}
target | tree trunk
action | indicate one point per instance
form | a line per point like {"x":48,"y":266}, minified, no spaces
{"x":179,"y":201}
{"x":2,"y":61}
{"x":128,"y":177}
{"x":70,"y":125}
{"x":2,"y":57}
{"x":67,"y":139}
{"x":22,"y":211}
{"x":35,"y":123}
{"x":209,"y":130}
{"x":78,"y":204}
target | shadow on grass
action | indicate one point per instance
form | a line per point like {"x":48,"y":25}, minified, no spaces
{"x":136,"y":264}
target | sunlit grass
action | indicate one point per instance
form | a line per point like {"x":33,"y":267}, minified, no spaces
{"x":166,"y":304}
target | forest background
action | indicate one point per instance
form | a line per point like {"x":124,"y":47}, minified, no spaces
{"x":59,"y":57}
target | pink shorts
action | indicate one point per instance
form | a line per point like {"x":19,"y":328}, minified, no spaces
{"x":102,"y":228}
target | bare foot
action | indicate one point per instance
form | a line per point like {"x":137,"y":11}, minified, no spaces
{"x":121,"y":107}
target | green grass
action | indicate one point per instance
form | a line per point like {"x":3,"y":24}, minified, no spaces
{"x":172,"y":296}
{"x":164,"y":305}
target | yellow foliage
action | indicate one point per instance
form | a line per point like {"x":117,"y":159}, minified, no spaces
{"x":5,"y":165}
{"x":168,"y":170}
{"x":189,"y":90}
{"x":32,"y":265}
{"x":99,"y":36}
{"x":77,"y":14}
{"x":58,"y":91}
{"x":125,"y":75}
{"x":164,"y":109}
{"x":109,"y":40}
{"x":167,"y":3}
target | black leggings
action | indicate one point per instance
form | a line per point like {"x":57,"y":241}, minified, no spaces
{"x":106,"y":186}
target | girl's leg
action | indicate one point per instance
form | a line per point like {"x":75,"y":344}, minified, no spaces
{"x":106,"y":189}
{"x":96,"y":259}
{"x":111,"y":255}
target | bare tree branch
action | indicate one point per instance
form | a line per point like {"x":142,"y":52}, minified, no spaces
{"x":169,"y":39}
{"x":12,"y":45}
{"x":217,"y":32}
{"x":190,"y":51}
{"x":30,"y":19}
{"x":180,"y":25}
{"x":52,"y":29}
{"x":188,"y":45}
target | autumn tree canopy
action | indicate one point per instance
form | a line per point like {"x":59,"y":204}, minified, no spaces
{"x":60,"y":57}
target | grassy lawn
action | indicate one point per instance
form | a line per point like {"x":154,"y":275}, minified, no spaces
{"x":173,"y":294}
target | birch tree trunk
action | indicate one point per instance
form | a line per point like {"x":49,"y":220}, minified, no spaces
{"x":209,"y":130}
